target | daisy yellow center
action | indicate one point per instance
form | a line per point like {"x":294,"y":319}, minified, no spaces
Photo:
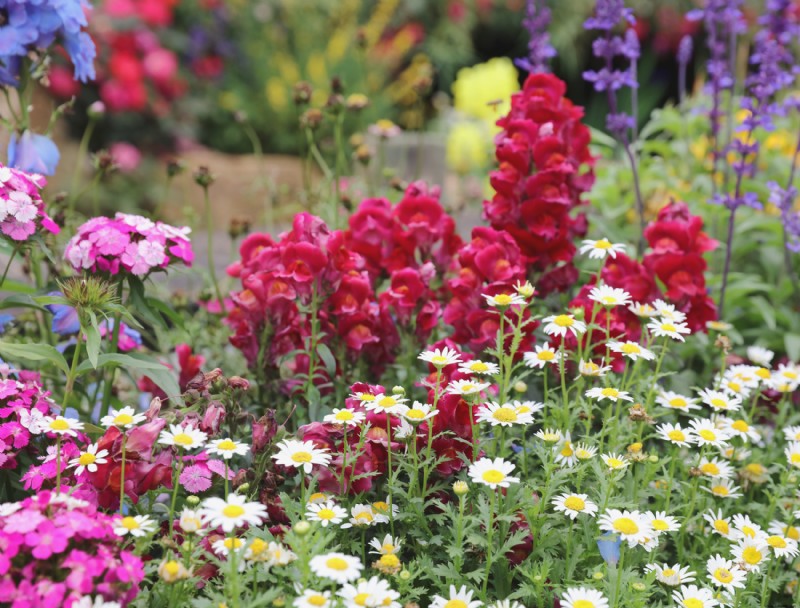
{"x":123,"y":419}
{"x":438,"y":359}
{"x":388,"y":548}
{"x":493,"y":476}
{"x":668,"y":572}
{"x":336,"y":563}
{"x":660,"y":525}
{"x":456,"y":604}
{"x":583,"y":604}
{"x":226,"y":445}
{"x":791,"y":375}
{"x":380,"y":506}
{"x":710,"y":468}
{"x":692,"y":602}
{"x":615,"y":463}
{"x":721,"y":403}
{"x":505,"y":414}
{"x":257,"y":547}
{"x":361,"y":599}
{"x":583,"y":454}
{"x":602,"y":244}
{"x":326,"y":514}
{"x":567,"y":450}
{"x":720,"y":490}
{"x":233,"y":511}
{"x":502,"y":299}
{"x":479,"y":366}
{"x":763,"y":373}
{"x":708,"y":435}
{"x":723,"y":575}
{"x":630,"y":349}
{"x":86,"y":459}
{"x":678,"y":402}
{"x":792,"y":532}
{"x":522,"y":409}
{"x":129,"y":523}
{"x":344,"y":415}
{"x":720,"y":525}
{"x":754,"y":468}
{"x":591,"y":368}
{"x":741,"y":426}
{"x":564,"y":321}
{"x":389,"y":560}
{"x":776,"y":542}
{"x":752,"y":556}
{"x":735,"y":387}
{"x":302,"y":457}
{"x":233,"y":543}
{"x":172,"y":568}
{"x":318,"y":600}
{"x":610,"y":392}
{"x":676,"y":435}
{"x":795,"y":458}
{"x":668,"y":327}
{"x":366,"y":397}
{"x":183,"y":439}
{"x":546,"y":355}
{"x":387,"y":402}
{"x":365,"y":515}
{"x":625,"y":525}
{"x":609,"y":300}
{"x":317,"y":496}
{"x":416,"y":414}
{"x":59,"y":424}
{"x":575,"y":503}
{"x":467,"y":387}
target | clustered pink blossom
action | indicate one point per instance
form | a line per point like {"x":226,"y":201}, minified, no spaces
{"x":56,"y":550}
{"x":129,"y":243}
{"x":23,"y":404}
{"x":21,"y":207}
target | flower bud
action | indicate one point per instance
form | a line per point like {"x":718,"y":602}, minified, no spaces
{"x":639,"y":586}
{"x":203,"y":177}
{"x":398,"y":390}
{"x":311,"y":119}
{"x":460,"y":488}
{"x":193,"y":500}
{"x":301,"y":528}
{"x":598,"y":576}
{"x":96,"y":110}
{"x":357,"y":101}
{"x":405,"y":575}
{"x":301,"y":93}
{"x":520,"y":386}
{"x":242,"y":489}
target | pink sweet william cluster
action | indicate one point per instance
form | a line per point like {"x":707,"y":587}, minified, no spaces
{"x":128,"y":243}
{"x":23,"y":404}
{"x":56,"y":550}
{"x":21,"y":207}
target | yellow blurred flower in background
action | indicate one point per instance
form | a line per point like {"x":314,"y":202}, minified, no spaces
{"x":467,"y":144}
{"x":484,"y":90}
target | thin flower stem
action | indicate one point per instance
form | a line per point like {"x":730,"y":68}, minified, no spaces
{"x":58,"y":463}
{"x":108,"y":383}
{"x":122,"y":474}
{"x":489,"y":530}
{"x":8,"y":266}
{"x":212,"y":270}
{"x":175,"y":495}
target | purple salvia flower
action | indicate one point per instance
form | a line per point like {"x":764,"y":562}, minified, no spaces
{"x":540,"y":51}
{"x":685,"y":49}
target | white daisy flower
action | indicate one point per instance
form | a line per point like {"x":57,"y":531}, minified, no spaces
{"x":405,"y":429}
{"x":706,"y":432}
{"x":89,"y":459}
{"x":692,"y":596}
{"x":123,"y":418}
{"x":560,"y":325}
{"x":565,"y":454}
{"x":527,"y":407}
{"x":720,"y":401}
{"x":782,"y":529}
{"x":386,"y":404}
{"x":719,"y":524}
{"x":724,"y":573}
{"x":227,"y":448}
{"x":643,"y":310}
{"x":592,"y":369}
{"x":476,"y":366}
{"x":505,"y":604}
{"x":457,"y":598}
{"x":792,"y":452}
{"x":789,"y":372}
{"x":631,"y":526}
{"x":751,"y":553}
{"x":301,"y":455}
{"x":676,"y":401}
{"x":441,"y":357}
{"x":792,"y":433}
{"x":504,"y":300}
{"x":466,"y":387}
{"x":372,"y":592}
{"x":760,"y":355}
{"x":583,"y":597}
{"x":387,"y":546}
{"x":609,"y":393}
{"x":675,"y":434}
{"x":609,"y":296}
{"x":504,"y":415}
{"x":279,"y":555}
{"x":383,"y":507}
{"x":313,"y":599}
{"x":61,"y":426}
{"x":191,"y":521}
{"x":740,"y":428}
{"x":419,"y":412}
{"x":670,"y":329}
{"x":526,"y":289}
{"x":615,"y":462}
{"x":744,"y":527}
{"x":671,"y":575}
{"x":573,"y":505}
{"x":232,"y":513}
{"x":337,"y":567}
{"x":584,"y":451}
{"x":632,"y":350}
{"x":715,"y":467}
{"x":344,"y":417}
{"x":185,"y":437}
{"x":723,"y":488}
{"x":364,"y":515}
{"x":493,"y":473}
{"x":326,"y":513}
{"x":782,"y":546}
{"x":136,"y":526}
{"x":549,"y":435}
{"x":668,"y":311}
{"x":661,"y":522}
{"x":541,"y":356}
{"x":598,"y":250}
{"x":225,"y":546}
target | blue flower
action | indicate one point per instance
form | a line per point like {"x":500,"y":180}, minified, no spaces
{"x":65,"y":318}
{"x":608,"y":545}
{"x":5,"y":320}
{"x":33,"y":153}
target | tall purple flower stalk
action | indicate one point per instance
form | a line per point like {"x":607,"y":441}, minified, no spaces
{"x":540,"y":51}
{"x":773,"y":73}
{"x":612,"y":48}
{"x":685,"y":49}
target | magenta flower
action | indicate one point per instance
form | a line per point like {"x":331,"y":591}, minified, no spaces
{"x":21,"y":207}
{"x":196,"y":478}
{"x":46,"y":540}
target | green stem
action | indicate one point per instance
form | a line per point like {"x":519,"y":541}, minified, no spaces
{"x":489,"y":531}
{"x":8,"y":266}
{"x":122,"y":474}
{"x":58,"y":463}
{"x":211,"y":267}
{"x":72,"y":370}
{"x":108,"y":385}
{"x":618,"y":581}
{"x":175,"y":494}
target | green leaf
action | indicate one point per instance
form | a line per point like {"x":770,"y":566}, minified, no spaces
{"x":792,"y":342}
{"x":327,"y":359}
{"x":159,"y":373}
{"x":93,"y":340}
{"x":35,"y":352}
{"x":21,"y":300}
{"x":766,"y":310}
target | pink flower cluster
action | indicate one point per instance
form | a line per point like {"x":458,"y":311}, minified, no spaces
{"x":129,"y":243}
{"x":21,"y":207}
{"x":55,"y":550}
{"x":23,"y":404}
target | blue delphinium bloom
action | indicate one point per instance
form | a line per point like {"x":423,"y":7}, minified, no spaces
{"x":33,"y":153}
{"x":37,"y":25}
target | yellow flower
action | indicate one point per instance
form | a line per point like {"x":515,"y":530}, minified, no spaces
{"x":484,"y":90}
{"x":276,"y":94}
{"x":466,"y":147}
